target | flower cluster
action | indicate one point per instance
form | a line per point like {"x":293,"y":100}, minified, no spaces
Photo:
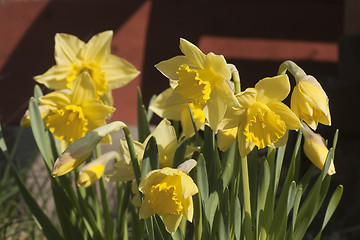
{"x":204,"y":92}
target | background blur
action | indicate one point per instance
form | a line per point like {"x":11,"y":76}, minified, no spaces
{"x":321,"y":36}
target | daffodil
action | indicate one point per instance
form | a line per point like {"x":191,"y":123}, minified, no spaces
{"x":73,"y":114}
{"x":168,"y":192}
{"x":123,"y":169}
{"x":262,"y":119}
{"x":73,"y":57}
{"x":310,"y":102}
{"x":201,"y":79}
{"x":171,"y":105}
{"x":316,"y":150}
{"x":92,"y":172}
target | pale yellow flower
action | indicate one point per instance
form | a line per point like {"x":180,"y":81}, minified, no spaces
{"x":73,"y":114}
{"x":201,"y":79}
{"x":167,"y":144}
{"x":316,"y":150}
{"x":171,"y":105}
{"x":168,"y":193}
{"x":310,"y":102}
{"x":73,"y":56}
{"x":92,"y":172}
{"x":262,"y":119}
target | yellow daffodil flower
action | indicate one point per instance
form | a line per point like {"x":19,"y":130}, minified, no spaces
{"x":168,"y":193}
{"x":73,"y":57}
{"x":171,"y":105}
{"x":262,"y":119}
{"x":316,"y":150}
{"x":72,"y":115}
{"x":81,"y":149}
{"x":202,"y":80}
{"x":92,"y":172}
{"x":310,"y":102}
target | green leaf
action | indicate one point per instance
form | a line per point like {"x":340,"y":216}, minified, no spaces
{"x":197,"y":136}
{"x":211,"y":207}
{"x":264,"y":182}
{"x":149,"y":112}
{"x":237,"y":218}
{"x":333,"y":203}
{"x":151,"y":157}
{"x":202,"y":179}
{"x":179,"y":156}
{"x":228,"y":167}
{"x":37,"y":92}
{"x":143,"y":123}
{"x":41,"y":136}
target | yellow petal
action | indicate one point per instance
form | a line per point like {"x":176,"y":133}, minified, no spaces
{"x":146,"y":209}
{"x":193,"y":53}
{"x":96,"y":112}
{"x":119,"y":72}
{"x":247,"y":98}
{"x":83,"y":89}
{"x":218,"y":64}
{"x":188,"y":210}
{"x":273,"y":88}
{"x":226,"y":138}
{"x":186,"y":121}
{"x":66,"y":48}
{"x":171,"y":222}
{"x":98,"y":48}
{"x":169,"y":67}
{"x":55,"y":77}
{"x":55,"y":100}
{"x":245,"y":147}
{"x":291,"y":120}
{"x":214,"y":110}
{"x":125,"y":154}
{"x":169,"y":104}
{"x":315,"y":149}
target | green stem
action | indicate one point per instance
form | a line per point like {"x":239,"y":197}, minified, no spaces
{"x":134,"y":159}
{"x":246,"y":192}
{"x":235,"y":77}
{"x":294,"y":69}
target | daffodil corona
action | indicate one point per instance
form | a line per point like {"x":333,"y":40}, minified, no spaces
{"x":73,"y":57}
{"x":202,"y":80}
{"x":168,"y":193}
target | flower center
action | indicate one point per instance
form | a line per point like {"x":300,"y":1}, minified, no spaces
{"x":164,"y":200}
{"x":263,"y":126}
{"x":95,"y":73}
{"x":191,"y":85}
{"x":67,"y":123}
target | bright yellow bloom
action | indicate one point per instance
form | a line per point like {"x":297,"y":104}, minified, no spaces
{"x":73,"y":57}
{"x":316,"y":150}
{"x":171,"y":105}
{"x":81,"y":149}
{"x":262,"y":119}
{"x":92,"y":172}
{"x":168,"y":193}
{"x":74,"y":114}
{"x":310,"y":102}
{"x":202,"y":80}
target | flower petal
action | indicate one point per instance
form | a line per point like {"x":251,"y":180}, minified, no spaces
{"x":55,"y":77}
{"x":67,"y":47}
{"x":172,"y":222}
{"x":119,"y":72}
{"x":225,"y":138}
{"x":83,"y":89}
{"x":193,"y":53}
{"x":214,"y":110}
{"x":273,"y":88}
{"x":55,"y":100}
{"x":245,"y":147}
{"x":98,"y":48}
{"x":218,"y":64}
{"x":291,"y":120}
{"x":170,"y":67}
